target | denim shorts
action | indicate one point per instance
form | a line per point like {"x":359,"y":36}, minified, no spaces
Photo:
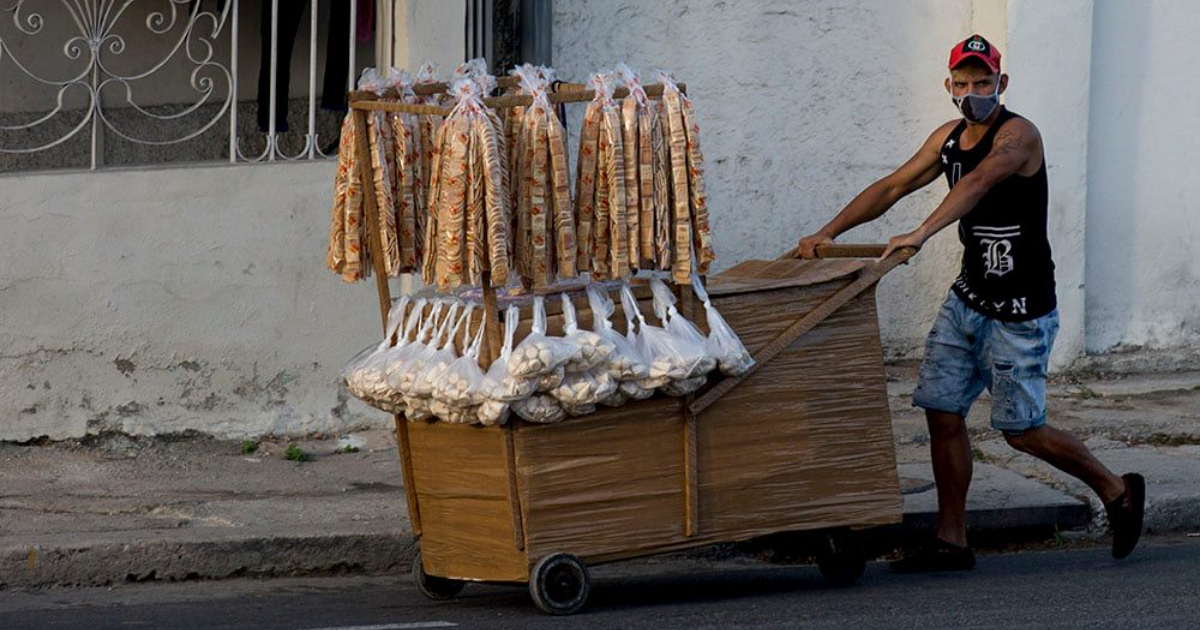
{"x":967,"y":351}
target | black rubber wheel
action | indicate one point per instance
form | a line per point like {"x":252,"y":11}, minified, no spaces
{"x":841,"y":558}
{"x":432,"y":586}
{"x":559,"y":584}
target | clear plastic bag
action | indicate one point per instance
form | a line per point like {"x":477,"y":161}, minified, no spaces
{"x":382,"y":388}
{"x":723,"y":344}
{"x":645,"y":346}
{"x":493,"y":412}
{"x":684,"y":387}
{"x":540,"y":408}
{"x":411,"y":374}
{"x":575,"y":411}
{"x":616,"y":399}
{"x":551,"y":379}
{"x":625,"y":362}
{"x":593,"y":349}
{"x":435,"y":366}
{"x":585,"y":388}
{"x":672,"y":356}
{"x":463,"y":384}
{"x":362,"y":373}
{"x":538,"y":354}
{"x":684,"y":332}
{"x":399,"y":377}
{"x":636,"y":390}
{"x":505,"y":387}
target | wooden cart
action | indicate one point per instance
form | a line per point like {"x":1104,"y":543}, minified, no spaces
{"x":801,"y":443}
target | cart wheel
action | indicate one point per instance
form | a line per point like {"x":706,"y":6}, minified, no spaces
{"x":432,"y":586}
{"x":559,"y":584}
{"x":841,"y":558}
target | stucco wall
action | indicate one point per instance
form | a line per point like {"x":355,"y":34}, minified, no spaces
{"x":1055,"y":97}
{"x":802,"y":105}
{"x":1143,"y":241}
{"x":160,"y":301}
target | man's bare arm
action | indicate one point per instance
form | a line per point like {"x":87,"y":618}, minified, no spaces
{"x":921,"y":169}
{"x":1015,"y":145}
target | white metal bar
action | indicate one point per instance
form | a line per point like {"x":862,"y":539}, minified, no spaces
{"x":97,"y":139}
{"x":312,"y":82}
{"x":274,"y":79}
{"x":233,"y":88}
{"x":350,"y":80}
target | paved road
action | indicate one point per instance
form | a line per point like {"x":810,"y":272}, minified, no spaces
{"x":1159,"y":587}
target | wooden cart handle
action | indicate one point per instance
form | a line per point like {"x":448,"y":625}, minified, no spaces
{"x":840,"y":251}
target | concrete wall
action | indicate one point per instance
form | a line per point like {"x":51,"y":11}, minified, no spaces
{"x":159,"y":301}
{"x":803,"y":104}
{"x":1143,"y":240}
{"x":1055,"y":97}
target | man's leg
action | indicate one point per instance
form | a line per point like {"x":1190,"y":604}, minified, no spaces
{"x":951,"y":450}
{"x":948,"y":384}
{"x":1066,"y":453}
{"x":1019,"y":353}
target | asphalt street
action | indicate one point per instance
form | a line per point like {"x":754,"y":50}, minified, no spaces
{"x":1158,"y":587}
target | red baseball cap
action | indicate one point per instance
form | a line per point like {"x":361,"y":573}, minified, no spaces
{"x":978,"y":47}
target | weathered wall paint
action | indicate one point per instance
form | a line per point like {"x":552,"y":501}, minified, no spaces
{"x":160,"y":301}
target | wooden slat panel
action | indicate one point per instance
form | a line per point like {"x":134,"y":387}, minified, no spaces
{"x":805,"y":442}
{"x":610,"y":483}
{"x":462,"y":489}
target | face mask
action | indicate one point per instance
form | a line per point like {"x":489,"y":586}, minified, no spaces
{"x":976,"y":108}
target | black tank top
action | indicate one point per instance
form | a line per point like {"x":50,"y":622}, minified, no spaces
{"x":1007,"y":271}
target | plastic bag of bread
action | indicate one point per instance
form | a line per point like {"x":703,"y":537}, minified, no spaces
{"x":435,"y":366}
{"x":391,"y":398}
{"x":625,"y":362}
{"x":412,"y":373}
{"x":723,"y":344}
{"x":493,"y":412}
{"x":635,"y":390}
{"x":505,"y":387}
{"x":551,"y":379}
{"x":616,"y":399}
{"x":540,"y":408}
{"x":463,"y":383}
{"x":684,"y":387}
{"x":593,"y":349}
{"x":580,"y":410}
{"x":683,"y":332}
{"x":585,"y":388}
{"x":399,"y":378}
{"x":363,"y":372}
{"x":652,"y":343}
{"x":539,"y":354}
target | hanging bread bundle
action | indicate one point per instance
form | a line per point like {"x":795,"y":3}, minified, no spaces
{"x":545,"y":241}
{"x":466,"y":233}
{"x":347,"y":254}
{"x":601,"y":203}
{"x":424,"y":133}
{"x":345,"y":225}
{"x":691,"y":234}
{"x":401,"y":134}
{"x":647,"y":195}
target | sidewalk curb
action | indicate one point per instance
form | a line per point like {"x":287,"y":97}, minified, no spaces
{"x":116,"y":559}
{"x":107,"y":562}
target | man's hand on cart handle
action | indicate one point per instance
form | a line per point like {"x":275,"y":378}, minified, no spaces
{"x":808,"y":245}
{"x":912,"y":240}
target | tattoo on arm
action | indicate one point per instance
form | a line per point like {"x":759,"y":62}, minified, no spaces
{"x":1007,"y":141}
